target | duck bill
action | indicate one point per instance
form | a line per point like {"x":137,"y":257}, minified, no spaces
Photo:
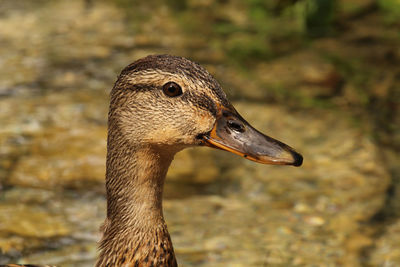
{"x":234,"y":134}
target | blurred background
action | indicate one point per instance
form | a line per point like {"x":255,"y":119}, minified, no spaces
{"x":322,"y":76}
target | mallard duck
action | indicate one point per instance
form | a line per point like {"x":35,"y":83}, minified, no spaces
{"x":160,"y":105}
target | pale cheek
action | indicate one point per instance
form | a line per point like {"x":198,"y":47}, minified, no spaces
{"x":163,"y":136}
{"x":204,"y":122}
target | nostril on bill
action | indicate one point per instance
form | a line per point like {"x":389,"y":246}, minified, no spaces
{"x":236,"y":126}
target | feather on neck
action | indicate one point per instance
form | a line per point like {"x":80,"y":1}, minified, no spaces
{"x":135,"y":233}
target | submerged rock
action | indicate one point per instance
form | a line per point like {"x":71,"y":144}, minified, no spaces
{"x":53,"y":140}
{"x":387,"y":248}
{"x":26,"y":223}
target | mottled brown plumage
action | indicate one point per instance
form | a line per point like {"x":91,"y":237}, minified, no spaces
{"x":145,"y":130}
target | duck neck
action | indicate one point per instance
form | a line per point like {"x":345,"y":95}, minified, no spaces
{"x":135,"y":232}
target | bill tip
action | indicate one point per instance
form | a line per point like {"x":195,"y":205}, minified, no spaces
{"x":298,"y":159}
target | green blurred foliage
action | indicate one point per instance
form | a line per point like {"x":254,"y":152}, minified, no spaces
{"x":319,"y":17}
{"x":391,"y":8}
{"x":244,"y":29}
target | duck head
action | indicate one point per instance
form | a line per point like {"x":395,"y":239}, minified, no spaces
{"x":171,"y":103}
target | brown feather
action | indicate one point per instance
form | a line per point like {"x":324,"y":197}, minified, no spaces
{"x":145,"y":130}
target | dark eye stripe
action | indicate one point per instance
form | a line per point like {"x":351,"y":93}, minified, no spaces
{"x":140,"y":87}
{"x":202,"y":101}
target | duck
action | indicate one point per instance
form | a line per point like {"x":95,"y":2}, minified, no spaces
{"x":160,"y":105}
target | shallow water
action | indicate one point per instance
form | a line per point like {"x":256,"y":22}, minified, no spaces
{"x":59,"y":61}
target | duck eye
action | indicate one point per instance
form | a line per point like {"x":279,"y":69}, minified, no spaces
{"x":172,"y":89}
